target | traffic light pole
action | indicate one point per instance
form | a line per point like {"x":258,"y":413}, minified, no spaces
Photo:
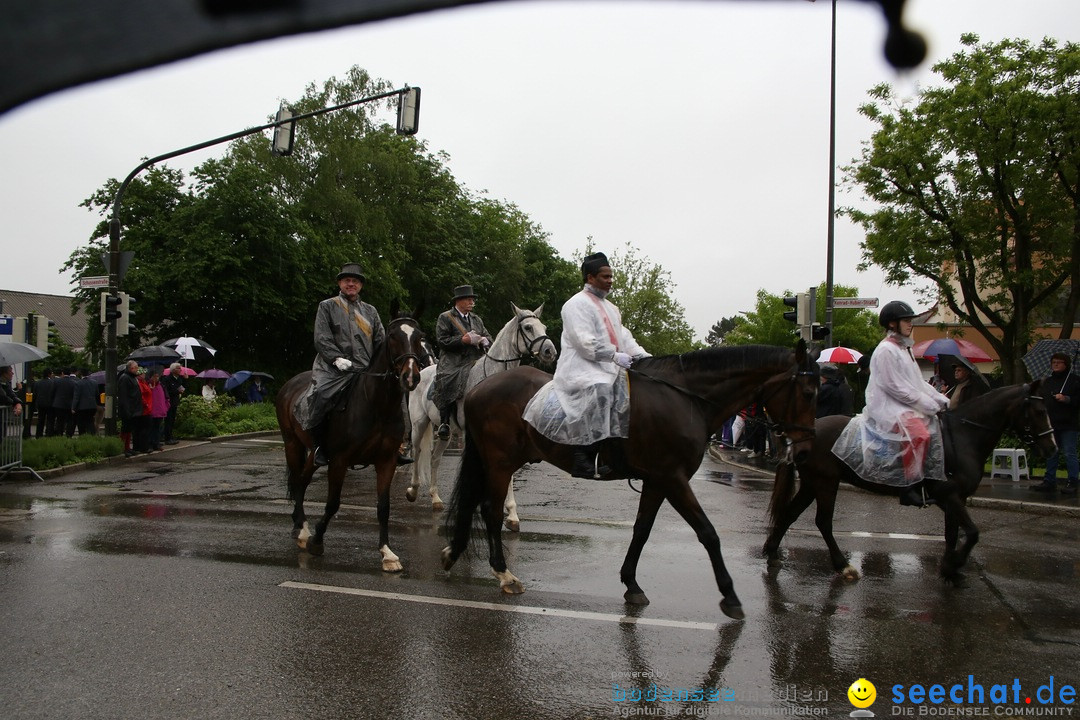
{"x":412,"y":94}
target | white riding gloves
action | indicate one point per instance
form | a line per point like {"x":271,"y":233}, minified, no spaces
{"x":474,"y":338}
{"x":622,"y":360}
{"x":484,"y":342}
{"x":343,"y":364}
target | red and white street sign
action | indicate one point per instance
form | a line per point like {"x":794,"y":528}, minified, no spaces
{"x":99,"y":281}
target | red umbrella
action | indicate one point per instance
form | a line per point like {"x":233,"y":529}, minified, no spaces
{"x":184,"y":371}
{"x":930,"y":349}
{"x":839,"y":355}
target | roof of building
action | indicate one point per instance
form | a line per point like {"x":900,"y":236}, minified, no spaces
{"x":70,"y":326}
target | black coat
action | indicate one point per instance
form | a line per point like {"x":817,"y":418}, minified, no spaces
{"x":128,"y":396}
{"x":1063,"y":415}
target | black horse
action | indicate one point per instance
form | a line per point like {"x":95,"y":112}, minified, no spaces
{"x":676,"y":403}
{"x":365,"y":428}
{"x":969,"y":433}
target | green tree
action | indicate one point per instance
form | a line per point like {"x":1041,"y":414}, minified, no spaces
{"x":720,"y":329}
{"x":765,"y":325}
{"x":241,"y":252}
{"x":976,"y":188}
{"x":644,"y":294}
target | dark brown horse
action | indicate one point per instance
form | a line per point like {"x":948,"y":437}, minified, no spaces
{"x":969,"y":433}
{"x":676,"y":403}
{"x":365,"y":428}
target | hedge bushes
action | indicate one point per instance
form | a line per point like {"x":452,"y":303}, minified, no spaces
{"x":52,"y":452}
{"x":199,"y":418}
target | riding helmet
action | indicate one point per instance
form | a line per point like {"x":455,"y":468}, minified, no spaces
{"x":895,"y":310}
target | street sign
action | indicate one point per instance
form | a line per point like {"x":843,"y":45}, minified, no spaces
{"x":99,"y":281}
{"x":851,"y":302}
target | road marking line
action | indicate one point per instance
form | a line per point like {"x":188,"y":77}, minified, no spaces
{"x":522,"y":609}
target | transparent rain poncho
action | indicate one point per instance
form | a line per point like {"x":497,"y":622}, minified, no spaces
{"x":589,"y":398}
{"x":897,"y":440}
{"x":898,"y":454}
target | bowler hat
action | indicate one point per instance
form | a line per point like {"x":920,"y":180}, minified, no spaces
{"x":351,"y":270}
{"x":463,"y":291}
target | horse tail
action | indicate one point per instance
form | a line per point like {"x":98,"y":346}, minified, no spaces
{"x":783,"y":491}
{"x":467,"y":496}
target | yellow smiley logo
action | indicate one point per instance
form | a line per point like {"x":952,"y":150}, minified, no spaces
{"x":862,"y":693}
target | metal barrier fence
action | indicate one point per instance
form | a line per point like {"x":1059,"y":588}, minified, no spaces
{"x":11,"y":427}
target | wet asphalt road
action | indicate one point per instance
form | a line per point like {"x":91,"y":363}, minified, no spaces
{"x":170,"y":587}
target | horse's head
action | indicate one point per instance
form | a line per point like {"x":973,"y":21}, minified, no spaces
{"x":1032,"y":423}
{"x":531,"y":337}
{"x":790,"y":399}
{"x":405,"y":344}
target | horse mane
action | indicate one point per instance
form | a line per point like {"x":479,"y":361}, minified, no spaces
{"x":989,"y":402}
{"x":733,"y":358}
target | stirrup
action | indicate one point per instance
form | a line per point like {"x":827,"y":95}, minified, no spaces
{"x":320,"y":458}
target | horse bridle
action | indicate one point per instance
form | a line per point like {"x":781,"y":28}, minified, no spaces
{"x":530,"y":344}
{"x":783,"y":429}
{"x":398,"y":362}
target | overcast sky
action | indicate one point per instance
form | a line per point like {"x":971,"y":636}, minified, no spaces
{"x":697,"y":132}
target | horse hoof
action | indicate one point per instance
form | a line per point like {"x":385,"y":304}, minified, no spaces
{"x":956,"y":580}
{"x":437,"y":506}
{"x":635,"y":598}
{"x":448,"y":559}
{"x":514,"y":587}
{"x":314,"y":548}
{"x":773,"y":561}
{"x":850,"y":574}
{"x":410,"y":494}
{"x":735,"y":612}
{"x":512,"y":525}
{"x":391,"y":566}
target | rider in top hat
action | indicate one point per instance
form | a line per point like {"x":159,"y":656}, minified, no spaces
{"x":902,"y":408}
{"x":348,"y":332}
{"x":462,"y":339}
{"x":589,"y":399}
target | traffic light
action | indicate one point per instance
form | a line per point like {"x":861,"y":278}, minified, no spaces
{"x":408,"y":111}
{"x":285,"y":133}
{"x":41,"y":332}
{"x":109,"y":311}
{"x":123,"y":322}
{"x":819,"y":332}
{"x":801,"y":314}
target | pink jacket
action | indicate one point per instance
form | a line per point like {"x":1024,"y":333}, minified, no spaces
{"x":160,"y":402}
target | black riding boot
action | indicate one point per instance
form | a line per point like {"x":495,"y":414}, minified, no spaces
{"x":919,"y":494}
{"x":318,"y":439}
{"x":585,"y":464}
{"x":444,"y":422}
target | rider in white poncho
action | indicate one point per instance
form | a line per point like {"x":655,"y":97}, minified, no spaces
{"x":897,"y":439}
{"x":589,"y":398}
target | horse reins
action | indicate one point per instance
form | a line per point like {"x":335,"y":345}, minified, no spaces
{"x":530,"y":344}
{"x":781,"y":429}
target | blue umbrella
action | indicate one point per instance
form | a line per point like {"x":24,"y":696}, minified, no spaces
{"x":239,"y":378}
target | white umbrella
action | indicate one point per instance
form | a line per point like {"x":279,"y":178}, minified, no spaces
{"x":190,"y":348}
{"x":12,"y":353}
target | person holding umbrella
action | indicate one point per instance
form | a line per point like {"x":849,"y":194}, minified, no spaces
{"x":174,"y":388}
{"x":7,"y":395}
{"x":1062,"y":393}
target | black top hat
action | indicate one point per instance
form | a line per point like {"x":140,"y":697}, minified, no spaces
{"x":463,"y":291}
{"x":351,"y":270}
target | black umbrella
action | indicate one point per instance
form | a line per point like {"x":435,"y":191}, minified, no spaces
{"x":1037,"y":360}
{"x":191,"y":348}
{"x":947,"y":367}
{"x":154,"y":354}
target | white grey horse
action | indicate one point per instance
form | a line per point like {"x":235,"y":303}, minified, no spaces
{"x":522,"y":336}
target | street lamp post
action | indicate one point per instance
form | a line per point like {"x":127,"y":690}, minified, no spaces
{"x":832,"y":188}
{"x":408,"y":120}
